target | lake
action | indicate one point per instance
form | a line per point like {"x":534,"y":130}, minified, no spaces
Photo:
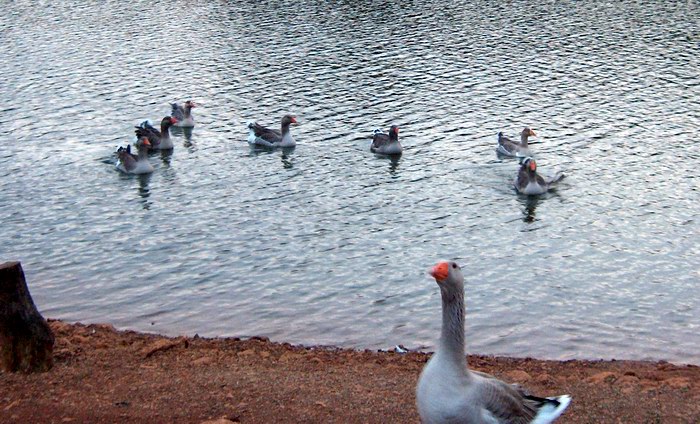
{"x":328,"y":243}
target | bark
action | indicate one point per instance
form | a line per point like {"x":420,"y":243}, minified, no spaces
{"x":26,"y":341}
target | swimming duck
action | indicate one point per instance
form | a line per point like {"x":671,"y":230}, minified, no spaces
{"x":529,"y":181}
{"x":509,"y":147}
{"x":449,"y":392}
{"x":160,"y":140}
{"x":267,"y":137}
{"x":386,"y":144}
{"x":183,"y":114}
{"x":135,"y":164}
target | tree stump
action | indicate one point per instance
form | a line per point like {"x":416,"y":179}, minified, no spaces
{"x":26,"y":341}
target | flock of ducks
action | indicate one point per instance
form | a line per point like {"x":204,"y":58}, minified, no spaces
{"x":148,"y":139}
{"x":447,"y":390}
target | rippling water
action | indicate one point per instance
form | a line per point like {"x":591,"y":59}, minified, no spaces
{"x":328,"y":243}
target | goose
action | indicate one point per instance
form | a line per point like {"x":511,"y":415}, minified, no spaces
{"x":129,"y":163}
{"x":512,"y":148}
{"x":262,"y":136}
{"x":528,"y":181}
{"x":449,"y":392}
{"x":160,"y":140}
{"x":386,"y":144}
{"x":183,"y":114}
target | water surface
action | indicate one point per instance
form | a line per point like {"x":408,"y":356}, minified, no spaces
{"x":328,"y":243}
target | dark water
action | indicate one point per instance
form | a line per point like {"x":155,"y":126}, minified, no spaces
{"x":328,"y":243}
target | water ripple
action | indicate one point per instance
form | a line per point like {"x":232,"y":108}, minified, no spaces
{"x":328,"y":243}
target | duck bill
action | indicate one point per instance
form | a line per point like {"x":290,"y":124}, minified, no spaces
{"x":440,"y":271}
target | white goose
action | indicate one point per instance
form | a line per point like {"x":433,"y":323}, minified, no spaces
{"x":130,"y":163}
{"x":448,"y":392}
{"x":386,"y":144}
{"x":183,"y":115}
{"x":529,"y":182}
{"x":263,"y":136}
{"x":512,"y":148}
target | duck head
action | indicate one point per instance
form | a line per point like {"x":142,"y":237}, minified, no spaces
{"x":394,"y":133}
{"x":288,"y":120}
{"x":448,"y":276}
{"x":529,"y":165}
{"x":143,"y":143}
{"x":167,"y":122}
{"x":528,"y":132}
{"x":190,"y":104}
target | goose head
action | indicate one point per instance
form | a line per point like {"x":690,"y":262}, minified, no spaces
{"x":288,"y":120}
{"x":448,"y":276}
{"x":394,"y":133}
{"x":529,"y":165}
{"x":167,"y":122}
{"x":527,"y":132}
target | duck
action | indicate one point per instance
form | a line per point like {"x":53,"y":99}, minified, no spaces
{"x":529,"y":182}
{"x":183,"y":114}
{"x":159,"y":140}
{"x":449,"y":392}
{"x":512,"y":148}
{"x":130,"y":163}
{"x":386,"y":144}
{"x":263,"y":136}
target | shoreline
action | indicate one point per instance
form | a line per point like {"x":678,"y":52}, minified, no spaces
{"x":104,"y":375}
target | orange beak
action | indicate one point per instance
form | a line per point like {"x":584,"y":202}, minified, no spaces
{"x":532,"y":133}
{"x":146,"y":142}
{"x":294,"y":120}
{"x":173,"y":121}
{"x":533,"y":165}
{"x":440,"y":271}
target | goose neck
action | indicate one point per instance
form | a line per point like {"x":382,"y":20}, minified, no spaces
{"x":452,"y":333}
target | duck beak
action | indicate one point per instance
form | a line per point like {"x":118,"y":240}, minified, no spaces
{"x":440,"y":271}
{"x":294,"y":120}
{"x":533,"y":165}
{"x":146,"y":142}
{"x":532,"y":133}
{"x":173,"y":121}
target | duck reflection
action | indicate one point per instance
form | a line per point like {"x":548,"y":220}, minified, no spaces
{"x":287,"y":158}
{"x":144,"y":190}
{"x":166,"y":156}
{"x":530,"y":203}
{"x":394,"y":161}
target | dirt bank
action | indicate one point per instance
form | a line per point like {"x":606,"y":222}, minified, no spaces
{"x":104,"y":376}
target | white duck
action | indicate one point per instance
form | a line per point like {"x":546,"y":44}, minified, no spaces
{"x":529,"y":182}
{"x":512,"y":148}
{"x":183,"y":115}
{"x":448,"y":392}
{"x":263,"y":136}
{"x":135,"y":164}
{"x":386,"y":144}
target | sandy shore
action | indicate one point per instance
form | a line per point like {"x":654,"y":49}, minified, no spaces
{"x":105,"y":376}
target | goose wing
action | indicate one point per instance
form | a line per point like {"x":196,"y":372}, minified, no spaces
{"x":267,"y":134}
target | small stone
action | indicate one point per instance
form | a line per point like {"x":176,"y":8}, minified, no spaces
{"x":204,"y":360}
{"x":678,"y":382}
{"x":160,"y":346}
{"x":247,"y":352}
{"x":602,"y":377}
{"x":264,"y":354}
